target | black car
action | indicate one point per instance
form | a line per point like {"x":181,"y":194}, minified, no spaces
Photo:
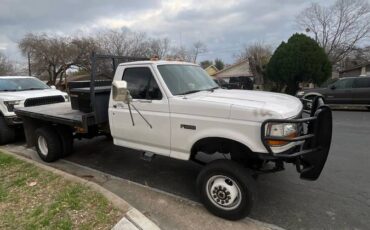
{"x":225,"y":85}
{"x":344,"y":91}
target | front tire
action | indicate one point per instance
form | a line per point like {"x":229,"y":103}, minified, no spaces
{"x":7,"y":134}
{"x":226,"y":189}
{"x":48,"y":144}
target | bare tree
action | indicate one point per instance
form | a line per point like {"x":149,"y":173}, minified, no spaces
{"x":337,"y":28}
{"x":258,"y":55}
{"x":159,"y":47}
{"x":125,"y":43}
{"x":358,"y":56}
{"x":6,"y":68}
{"x":56,"y":54}
{"x":198,"y":48}
{"x":180,"y":53}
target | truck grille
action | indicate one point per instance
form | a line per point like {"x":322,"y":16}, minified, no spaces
{"x":43,"y":100}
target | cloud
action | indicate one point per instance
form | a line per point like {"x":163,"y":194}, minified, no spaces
{"x":225,"y":26}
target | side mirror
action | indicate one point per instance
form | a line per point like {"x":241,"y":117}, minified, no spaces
{"x":333,"y":87}
{"x":120,"y":92}
{"x":53,"y":87}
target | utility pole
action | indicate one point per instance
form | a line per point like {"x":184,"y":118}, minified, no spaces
{"x":29,"y":63}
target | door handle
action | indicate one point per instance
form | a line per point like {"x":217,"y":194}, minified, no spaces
{"x":144,"y":101}
{"x":115,"y":106}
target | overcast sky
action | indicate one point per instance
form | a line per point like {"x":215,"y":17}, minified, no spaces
{"x":226,"y":26}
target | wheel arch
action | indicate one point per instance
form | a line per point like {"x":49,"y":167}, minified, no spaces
{"x":313,"y":94}
{"x":213,"y":144}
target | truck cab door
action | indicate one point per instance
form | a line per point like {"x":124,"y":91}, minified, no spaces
{"x":149,"y":100}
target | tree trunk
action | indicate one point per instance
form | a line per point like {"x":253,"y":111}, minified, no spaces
{"x":292,"y":88}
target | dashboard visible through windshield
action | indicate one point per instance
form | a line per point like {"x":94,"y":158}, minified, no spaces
{"x":186,"y":79}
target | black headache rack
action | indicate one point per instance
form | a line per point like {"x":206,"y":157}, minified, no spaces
{"x":313,"y":143}
{"x":89,"y":99}
{"x":94,"y":97}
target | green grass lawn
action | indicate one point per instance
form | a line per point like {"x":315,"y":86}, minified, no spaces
{"x":33,"y":198}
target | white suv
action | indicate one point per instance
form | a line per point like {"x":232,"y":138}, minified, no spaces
{"x":17,"y":91}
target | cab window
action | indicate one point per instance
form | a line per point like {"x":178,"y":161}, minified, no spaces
{"x":141,"y":83}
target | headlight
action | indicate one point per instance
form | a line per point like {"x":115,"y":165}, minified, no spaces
{"x":10,"y":105}
{"x":66,"y":97}
{"x":300,"y":93}
{"x":287,"y":130}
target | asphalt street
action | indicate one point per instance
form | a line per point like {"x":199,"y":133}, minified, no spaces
{"x":340,"y":199}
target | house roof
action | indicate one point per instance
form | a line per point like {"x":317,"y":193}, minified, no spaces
{"x":355,"y":67}
{"x":237,"y":70}
{"x":211,"y":67}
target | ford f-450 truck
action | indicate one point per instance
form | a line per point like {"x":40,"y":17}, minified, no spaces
{"x":176,"y":110}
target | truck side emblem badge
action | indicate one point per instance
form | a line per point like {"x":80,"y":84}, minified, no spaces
{"x":192,"y":127}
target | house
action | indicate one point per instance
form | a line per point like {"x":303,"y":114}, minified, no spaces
{"x":211,"y":70}
{"x":360,"y":70}
{"x":237,"y":72}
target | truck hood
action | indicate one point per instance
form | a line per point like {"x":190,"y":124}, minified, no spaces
{"x":23,"y":95}
{"x":247,"y":104}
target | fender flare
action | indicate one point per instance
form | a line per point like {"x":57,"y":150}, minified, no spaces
{"x":313,"y":94}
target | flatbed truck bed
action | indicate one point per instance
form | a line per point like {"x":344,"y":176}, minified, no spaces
{"x":60,"y":113}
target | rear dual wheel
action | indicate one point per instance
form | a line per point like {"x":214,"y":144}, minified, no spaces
{"x":227,"y":189}
{"x":53,"y":143}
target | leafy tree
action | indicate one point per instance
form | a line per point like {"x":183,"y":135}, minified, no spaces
{"x":206,"y":63}
{"x":220,"y":65}
{"x":300,"y":59}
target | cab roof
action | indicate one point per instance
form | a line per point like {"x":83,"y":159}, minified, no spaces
{"x":13,"y":77}
{"x":160,"y":62}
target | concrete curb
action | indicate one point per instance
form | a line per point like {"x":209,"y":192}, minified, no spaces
{"x":133,"y":218}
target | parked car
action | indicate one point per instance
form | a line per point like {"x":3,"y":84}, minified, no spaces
{"x":16,"y":91}
{"x":175,"y":109}
{"x":226,"y":85}
{"x":241,"y":82}
{"x":343,"y":91}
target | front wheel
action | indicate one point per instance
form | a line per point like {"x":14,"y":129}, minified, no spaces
{"x":226,"y":189}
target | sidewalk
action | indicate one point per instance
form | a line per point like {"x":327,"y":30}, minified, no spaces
{"x":166,"y":210}
{"x":132,"y":219}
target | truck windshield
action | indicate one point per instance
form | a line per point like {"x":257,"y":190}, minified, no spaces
{"x":21,"y":84}
{"x":186,"y":79}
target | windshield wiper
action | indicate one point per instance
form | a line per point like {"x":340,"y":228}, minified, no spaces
{"x":8,"y":90}
{"x":33,"y":89}
{"x":190,"y":92}
{"x":212,"y":89}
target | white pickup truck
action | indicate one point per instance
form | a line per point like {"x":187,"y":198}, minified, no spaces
{"x":175,"y":109}
{"x":22,"y":91}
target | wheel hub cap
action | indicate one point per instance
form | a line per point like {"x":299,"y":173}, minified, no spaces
{"x":43,"y":147}
{"x":223,"y":192}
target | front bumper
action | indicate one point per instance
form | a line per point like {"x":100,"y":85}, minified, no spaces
{"x":313,"y":144}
